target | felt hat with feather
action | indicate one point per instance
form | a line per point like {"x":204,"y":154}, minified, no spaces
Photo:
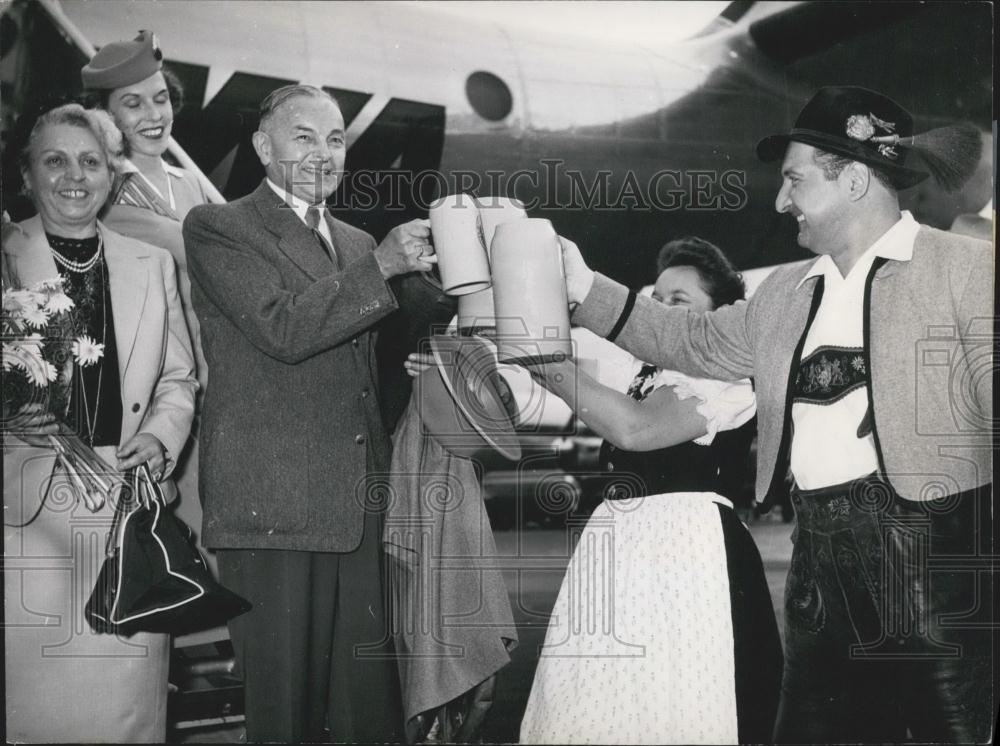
{"x":871,"y":128}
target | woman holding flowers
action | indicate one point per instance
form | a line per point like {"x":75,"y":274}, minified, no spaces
{"x":127,"y":388}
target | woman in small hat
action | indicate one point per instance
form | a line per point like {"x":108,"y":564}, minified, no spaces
{"x":151,"y":197}
{"x":128,"y":80}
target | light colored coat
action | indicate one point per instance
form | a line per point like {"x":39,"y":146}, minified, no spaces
{"x":929,"y":334}
{"x":156,"y":365}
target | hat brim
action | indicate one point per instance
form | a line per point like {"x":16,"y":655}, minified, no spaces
{"x":773,"y":147}
{"x":468,"y":383}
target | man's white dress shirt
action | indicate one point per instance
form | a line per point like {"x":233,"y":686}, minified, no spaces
{"x":299,"y":207}
{"x":826,"y":448}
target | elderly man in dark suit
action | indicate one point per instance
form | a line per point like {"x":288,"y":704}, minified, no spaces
{"x":287,"y":298}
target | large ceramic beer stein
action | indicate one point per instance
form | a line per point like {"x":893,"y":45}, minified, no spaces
{"x":475,"y":310}
{"x":461,"y":256}
{"x":529,"y":287}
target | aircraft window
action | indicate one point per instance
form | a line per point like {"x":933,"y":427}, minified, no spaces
{"x":489,"y":95}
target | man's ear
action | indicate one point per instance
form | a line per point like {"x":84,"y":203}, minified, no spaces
{"x":262,"y":144}
{"x":859,"y":179}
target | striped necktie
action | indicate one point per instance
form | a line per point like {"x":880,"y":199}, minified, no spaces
{"x":314,"y":214}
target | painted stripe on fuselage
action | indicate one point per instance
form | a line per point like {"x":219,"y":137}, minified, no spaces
{"x":368,"y":114}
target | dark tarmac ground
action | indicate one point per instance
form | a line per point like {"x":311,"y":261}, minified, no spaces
{"x":537,"y":559}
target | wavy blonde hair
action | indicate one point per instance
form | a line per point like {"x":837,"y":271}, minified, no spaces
{"x":98,"y":122}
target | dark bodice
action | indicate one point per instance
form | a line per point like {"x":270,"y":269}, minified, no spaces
{"x":95,"y":405}
{"x":721,"y":467}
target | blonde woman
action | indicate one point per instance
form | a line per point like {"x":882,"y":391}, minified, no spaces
{"x":64,"y":682}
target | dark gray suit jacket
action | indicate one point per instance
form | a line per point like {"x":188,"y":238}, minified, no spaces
{"x":291,"y":419}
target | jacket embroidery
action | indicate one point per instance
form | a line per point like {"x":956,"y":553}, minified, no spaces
{"x":829,"y":374}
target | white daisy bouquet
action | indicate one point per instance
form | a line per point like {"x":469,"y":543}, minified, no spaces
{"x":40,"y":347}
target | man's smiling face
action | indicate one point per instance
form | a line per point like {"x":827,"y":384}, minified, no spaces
{"x":818,"y":203}
{"x":303,"y":149}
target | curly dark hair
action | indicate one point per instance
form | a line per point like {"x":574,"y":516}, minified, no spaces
{"x":719,"y":278}
{"x":99,"y":98}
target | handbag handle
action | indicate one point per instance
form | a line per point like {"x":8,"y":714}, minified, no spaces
{"x":152,"y":493}
{"x":145,"y":491}
{"x":122,"y":506}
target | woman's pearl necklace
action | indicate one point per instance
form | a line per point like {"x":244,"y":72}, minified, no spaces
{"x":80,"y":266}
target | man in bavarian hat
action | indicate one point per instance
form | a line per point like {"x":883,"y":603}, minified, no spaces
{"x":872,"y":366}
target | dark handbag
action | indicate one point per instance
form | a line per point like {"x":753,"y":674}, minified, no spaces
{"x":154,"y":579}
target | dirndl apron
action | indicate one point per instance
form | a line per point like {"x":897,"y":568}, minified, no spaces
{"x":639,"y":647}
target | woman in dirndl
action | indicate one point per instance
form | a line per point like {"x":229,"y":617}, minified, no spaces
{"x":663,"y":630}
{"x":64,"y":682}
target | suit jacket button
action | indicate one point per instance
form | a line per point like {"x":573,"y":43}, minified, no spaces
{"x":354,"y":341}
{"x":364,"y":393}
{"x":359,"y":439}
{"x":611,"y":467}
{"x":136,"y":407}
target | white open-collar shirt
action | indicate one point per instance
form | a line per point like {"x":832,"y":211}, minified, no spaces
{"x":826,"y":449}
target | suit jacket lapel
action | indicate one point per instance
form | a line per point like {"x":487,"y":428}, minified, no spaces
{"x":347,"y":249}
{"x":798,"y":312}
{"x":128,"y":273}
{"x":30,"y":261}
{"x":27,"y":254}
{"x":295,"y":240}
